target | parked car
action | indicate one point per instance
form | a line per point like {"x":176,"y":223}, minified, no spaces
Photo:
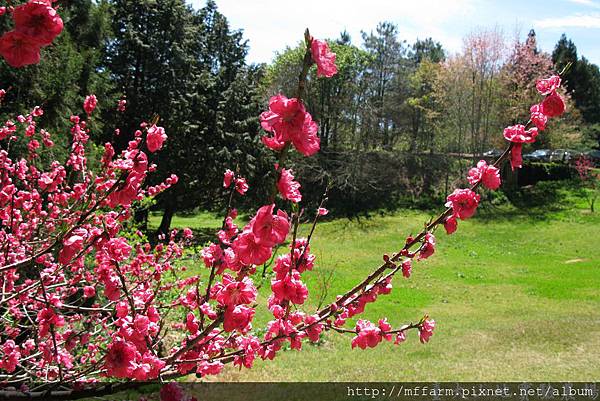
{"x":492,"y":153}
{"x":594,"y":156}
{"x":572,"y":156}
{"x":564,"y":156}
{"x":540,"y":155}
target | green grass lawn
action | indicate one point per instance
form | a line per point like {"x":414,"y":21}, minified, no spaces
{"x":515,"y":294}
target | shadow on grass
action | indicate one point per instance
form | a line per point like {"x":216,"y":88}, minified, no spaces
{"x":539,"y":202}
{"x":203,"y":235}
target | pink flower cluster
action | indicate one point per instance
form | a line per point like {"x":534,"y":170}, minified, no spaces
{"x":289,"y":122}
{"x":66,"y":222}
{"x":323,"y":57}
{"x":369,"y":336}
{"x":239,"y":183}
{"x":100,"y":305}
{"x":36,"y":25}
{"x":487,"y":174}
{"x":288,"y":188}
{"x":464,"y":202}
{"x":426,"y":329}
{"x":553,"y":105}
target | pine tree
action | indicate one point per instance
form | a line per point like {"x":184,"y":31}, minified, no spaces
{"x":188,"y":68}
{"x":68,"y":71}
{"x":582,"y":79}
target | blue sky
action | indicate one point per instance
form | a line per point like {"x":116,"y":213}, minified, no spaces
{"x":271,"y":25}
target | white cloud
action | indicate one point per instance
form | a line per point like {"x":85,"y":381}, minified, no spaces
{"x":588,"y":3}
{"x":271,"y":25}
{"x":572,"y":21}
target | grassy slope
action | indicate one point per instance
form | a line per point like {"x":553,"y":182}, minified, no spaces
{"x":516,"y":296}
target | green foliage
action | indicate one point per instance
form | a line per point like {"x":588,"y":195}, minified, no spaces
{"x":331,"y":101}
{"x":68,"y":71}
{"x":189,"y":69}
{"x":582,"y":79}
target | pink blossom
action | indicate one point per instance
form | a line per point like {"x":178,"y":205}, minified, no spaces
{"x":120,"y":358}
{"x":236,"y":292}
{"x":288,"y":188}
{"x":463,"y":202}
{"x":407,"y":268}
{"x":518,"y":134}
{"x":548,"y":85}
{"x":367,"y":335}
{"x":38,"y":20}
{"x":290,"y":288}
{"x":212,"y":254}
{"x":46,"y":318}
{"x":303,"y":259}
{"x":272,"y":143}
{"x":208,"y":368}
{"x":289,"y":121}
{"x":122,"y":105}
{"x":428,"y":247}
{"x":553,"y":105}
{"x":71,"y":247}
{"x":89,"y":291}
{"x":155,"y":138}
{"x":228,"y":178}
{"x":122,"y":309}
{"x":141,"y":324}
{"x":149,"y":368}
{"x":537,"y":117}
{"x":208,"y":311}
{"x":237,"y":318}
{"x":322,"y":211}
{"x":90,"y":104}
{"x":118,"y":249}
{"x":268,"y":229}
{"x":241,"y":185}
{"x":450,"y":224}
{"x":426,"y":330}
{"x":11,"y":356}
{"x":314,"y":330}
{"x":324,"y":58}
{"x":250,"y":345}
{"x":191,"y":323}
{"x":385,"y":327}
{"x":400,"y":338}
{"x":249,"y":251}
{"x":285,"y":117}
{"x":487,"y":174}
{"x":309,"y":143}
{"x":516,"y":158}
{"x":18,"y":49}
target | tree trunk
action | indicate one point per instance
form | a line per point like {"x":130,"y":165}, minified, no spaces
{"x":165,"y":223}
{"x":141,"y":219}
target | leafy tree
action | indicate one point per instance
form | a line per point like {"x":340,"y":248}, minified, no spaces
{"x":386,"y":52}
{"x":189,"y":69}
{"x":421,"y":105}
{"x":525,"y":65}
{"x":427,"y":49}
{"x":565,"y":52}
{"x":68,"y":71}
{"x":335,"y":103}
{"x":582,"y":79}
